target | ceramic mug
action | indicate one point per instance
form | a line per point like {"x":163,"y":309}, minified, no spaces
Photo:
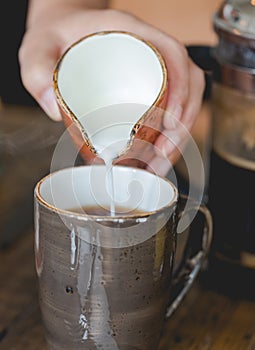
{"x":112,"y":78}
{"x":107,"y":282}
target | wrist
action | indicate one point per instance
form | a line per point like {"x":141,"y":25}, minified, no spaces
{"x":39,"y":8}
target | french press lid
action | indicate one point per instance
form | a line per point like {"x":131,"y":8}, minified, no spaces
{"x":234,"y":23}
{"x":237,"y":17}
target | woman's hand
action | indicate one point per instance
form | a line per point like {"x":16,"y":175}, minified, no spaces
{"x":52,"y":27}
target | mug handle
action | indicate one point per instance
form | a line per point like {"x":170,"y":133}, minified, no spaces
{"x":194,"y":254}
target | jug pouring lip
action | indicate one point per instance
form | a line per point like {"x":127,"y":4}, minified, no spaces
{"x":159,"y":98}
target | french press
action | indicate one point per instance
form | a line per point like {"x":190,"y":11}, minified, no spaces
{"x":232,"y":163}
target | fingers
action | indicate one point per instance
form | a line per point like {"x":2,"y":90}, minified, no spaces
{"x":196,"y":89}
{"x":159,"y":166}
{"x":37,"y":58}
{"x":178,"y":123}
{"x":186,"y":86}
{"x":177,"y":62}
{"x":186,"y":80}
{"x":176,"y":126}
{"x":178,"y":66}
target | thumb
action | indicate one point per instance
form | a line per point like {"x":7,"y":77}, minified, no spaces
{"x":37,"y":59}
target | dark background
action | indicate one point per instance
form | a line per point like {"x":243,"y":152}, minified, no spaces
{"x":13,"y":18}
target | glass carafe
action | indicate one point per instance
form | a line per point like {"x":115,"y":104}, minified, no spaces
{"x":232,"y":167}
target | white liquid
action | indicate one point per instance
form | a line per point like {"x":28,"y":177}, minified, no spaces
{"x":109,"y":143}
{"x":109,"y":130}
{"x":110,"y":183}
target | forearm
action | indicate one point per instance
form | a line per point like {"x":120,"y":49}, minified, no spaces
{"x":38,"y":7}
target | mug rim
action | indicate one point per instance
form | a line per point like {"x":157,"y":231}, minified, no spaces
{"x":141,"y":120}
{"x":84,"y":216}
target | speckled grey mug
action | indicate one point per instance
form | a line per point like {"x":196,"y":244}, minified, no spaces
{"x":106,"y":282}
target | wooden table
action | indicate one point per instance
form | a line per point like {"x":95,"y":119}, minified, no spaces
{"x":207,"y":319}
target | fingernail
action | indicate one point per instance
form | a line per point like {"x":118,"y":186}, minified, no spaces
{"x":172,"y":116}
{"x":49,"y":105}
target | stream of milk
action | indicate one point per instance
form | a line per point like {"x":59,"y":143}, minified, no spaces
{"x":109,"y":143}
{"x":109,"y":130}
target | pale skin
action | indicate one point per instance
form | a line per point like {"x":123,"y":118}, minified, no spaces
{"x":53,"y":25}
